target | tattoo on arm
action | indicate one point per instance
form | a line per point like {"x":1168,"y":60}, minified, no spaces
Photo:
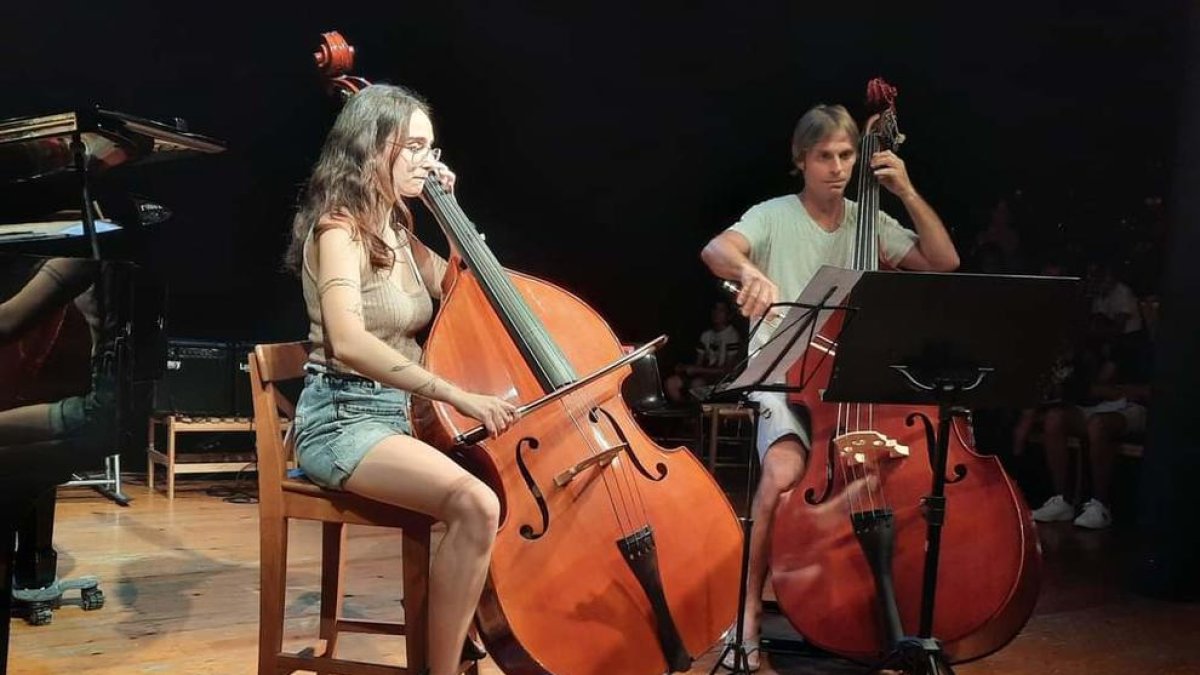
{"x":356,"y":309}
{"x":399,"y":367}
{"x":427,"y":390}
{"x":336,"y":282}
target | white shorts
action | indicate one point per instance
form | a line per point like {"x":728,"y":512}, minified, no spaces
{"x":1134,"y":413}
{"x":776,"y":419}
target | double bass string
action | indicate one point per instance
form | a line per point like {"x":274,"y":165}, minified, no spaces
{"x":624,"y":472}
{"x":489,"y":273}
{"x":866,"y":257}
{"x":869,"y":234}
{"x":529,"y":330}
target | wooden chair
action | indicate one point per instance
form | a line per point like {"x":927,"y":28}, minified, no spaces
{"x":282,"y":499}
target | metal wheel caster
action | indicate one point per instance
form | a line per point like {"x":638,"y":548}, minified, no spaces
{"x":40,"y":614}
{"x":91,"y":599}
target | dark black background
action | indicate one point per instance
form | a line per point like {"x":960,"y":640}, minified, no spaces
{"x":600,"y":145}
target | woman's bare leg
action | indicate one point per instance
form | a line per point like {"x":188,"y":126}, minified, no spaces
{"x":403,"y":471}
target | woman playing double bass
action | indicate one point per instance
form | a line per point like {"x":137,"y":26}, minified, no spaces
{"x":775,"y":249}
{"x":368,"y":285}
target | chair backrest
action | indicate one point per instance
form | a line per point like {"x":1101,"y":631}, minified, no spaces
{"x":271,"y":365}
{"x":643,"y":389}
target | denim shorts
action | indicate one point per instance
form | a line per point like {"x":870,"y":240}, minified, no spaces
{"x":776,"y":419}
{"x":339,"y":418}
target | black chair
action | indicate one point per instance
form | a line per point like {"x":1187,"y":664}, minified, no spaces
{"x":667,"y":422}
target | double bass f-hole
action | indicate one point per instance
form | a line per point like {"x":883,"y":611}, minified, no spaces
{"x":602,"y":460}
{"x":527,"y":530}
{"x":960,"y":471}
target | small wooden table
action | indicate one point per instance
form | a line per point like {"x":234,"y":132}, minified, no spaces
{"x":196,"y":462}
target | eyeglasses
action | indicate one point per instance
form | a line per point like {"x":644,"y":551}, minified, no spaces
{"x":421,"y":155}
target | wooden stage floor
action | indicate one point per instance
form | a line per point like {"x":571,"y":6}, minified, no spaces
{"x":181,"y":584}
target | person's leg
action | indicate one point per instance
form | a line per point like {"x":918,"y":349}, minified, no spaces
{"x":673,"y":388}
{"x":782,"y":468}
{"x":781,"y":441}
{"x":403,"y":471}
{"x":1021,"y":431}
{"x":1056,"y":427}
{"x":27,"y":424}
{"x":1058,"y":424}
{"x":1104,"y":432}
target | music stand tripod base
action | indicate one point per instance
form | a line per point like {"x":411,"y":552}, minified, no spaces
{"x":736,"y":644}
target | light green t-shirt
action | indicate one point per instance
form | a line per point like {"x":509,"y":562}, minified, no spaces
{"x":789,"y":246}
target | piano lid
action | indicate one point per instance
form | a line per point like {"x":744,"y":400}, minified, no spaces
{"x":48,"y":230}
{"x":34,"y":147}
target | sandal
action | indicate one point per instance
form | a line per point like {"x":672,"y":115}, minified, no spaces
{"x":752,"y":661}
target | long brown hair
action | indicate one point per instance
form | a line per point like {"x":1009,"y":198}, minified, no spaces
{"x":352,"y":177}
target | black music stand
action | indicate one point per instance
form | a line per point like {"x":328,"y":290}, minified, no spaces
{"x":764,"y":370}
{"x":954,"y":341}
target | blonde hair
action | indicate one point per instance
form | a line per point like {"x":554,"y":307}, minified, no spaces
{"x":820,"y":122}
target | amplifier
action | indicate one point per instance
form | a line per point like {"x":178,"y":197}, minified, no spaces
{"x":243,"y":400}
{"x":196,"y":380}
{"x":243,"y":403}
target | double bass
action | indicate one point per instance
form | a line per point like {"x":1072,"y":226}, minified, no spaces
{"x":613,"y":554}
{"x":848,"y":544}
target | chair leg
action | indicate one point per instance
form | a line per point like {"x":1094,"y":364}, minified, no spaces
{"x":333,"y":567}
{"x":416,"y":598}
{"x":150,"y":455}
{"x":170,"y":458}
{"x":272,"y":592}
{"x":8,"y":545}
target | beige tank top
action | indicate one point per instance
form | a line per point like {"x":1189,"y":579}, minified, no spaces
{"x":390,"y":312}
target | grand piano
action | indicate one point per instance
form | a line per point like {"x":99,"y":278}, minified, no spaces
{"x":78,"y":328}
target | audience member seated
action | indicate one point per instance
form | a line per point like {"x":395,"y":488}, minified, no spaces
{"x":1112,"y":406}
{"x":1117,"y":315}
{"x":1064,"y":386}
{"x":997,"y":248}
{"x":718,"y":351}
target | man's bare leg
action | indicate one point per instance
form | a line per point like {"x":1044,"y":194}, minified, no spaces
{"x":782,"y":468}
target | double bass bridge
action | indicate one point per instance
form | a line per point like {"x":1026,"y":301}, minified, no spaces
{"x":602,"y":458}
{"x":867,"y":447}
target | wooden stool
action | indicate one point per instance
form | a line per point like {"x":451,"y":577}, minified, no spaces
{"x":715,"y":412}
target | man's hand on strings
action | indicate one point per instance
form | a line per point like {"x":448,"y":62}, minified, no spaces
{"x":892,"y":174}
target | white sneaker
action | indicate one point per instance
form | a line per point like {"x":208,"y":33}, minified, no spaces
{"x":1056,"y":509}
{"x":1095,"y":516}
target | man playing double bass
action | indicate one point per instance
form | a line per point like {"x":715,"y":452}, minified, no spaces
{"x":773,"y":251}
